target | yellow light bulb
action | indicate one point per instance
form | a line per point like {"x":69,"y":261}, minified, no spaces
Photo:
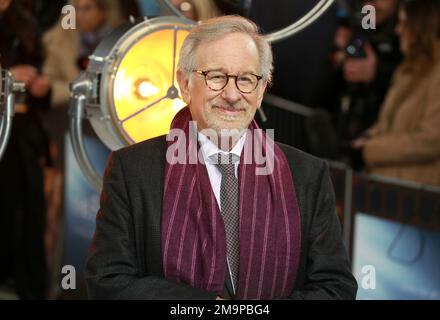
{"x":144,"y":84}
{"x":144,"y":89}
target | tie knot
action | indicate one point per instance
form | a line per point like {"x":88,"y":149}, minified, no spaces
{"x":226,"y":163}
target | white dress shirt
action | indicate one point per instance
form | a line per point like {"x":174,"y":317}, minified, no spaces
{"x":208,"y":149}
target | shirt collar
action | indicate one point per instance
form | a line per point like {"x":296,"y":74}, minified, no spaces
{"x":209,"y":148}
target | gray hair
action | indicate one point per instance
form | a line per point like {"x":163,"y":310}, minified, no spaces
{"x":216,"y":28}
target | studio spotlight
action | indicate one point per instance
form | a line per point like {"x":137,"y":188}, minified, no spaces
{"x":129,"y":91}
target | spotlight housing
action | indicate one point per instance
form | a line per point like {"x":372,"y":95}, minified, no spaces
{"x":129,"y":91}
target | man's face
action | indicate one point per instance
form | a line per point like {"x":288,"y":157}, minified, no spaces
{"x":229,"y":108}
{"x":89,"y":17}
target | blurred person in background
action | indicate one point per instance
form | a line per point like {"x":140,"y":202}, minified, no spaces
{"x":45,"y":12}
{"x":67,"y":54}
{"x":68,"y":49}
{"x":405,"y":141}
{"x":365,"y":61}
{"x":22,"y":202}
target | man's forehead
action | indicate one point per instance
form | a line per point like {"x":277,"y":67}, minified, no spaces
{"x":237,"y":39}
{"x":235,"y":49}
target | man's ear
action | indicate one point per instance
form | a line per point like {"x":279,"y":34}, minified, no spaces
{"x":261,"y":92}
{"x":183,"y":82}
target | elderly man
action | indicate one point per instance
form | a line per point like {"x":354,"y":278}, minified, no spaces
{"x":197,"y":214}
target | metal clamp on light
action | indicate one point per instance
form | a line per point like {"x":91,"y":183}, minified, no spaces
{"x":129,"y":91}
{"x":81,"y":89}
{"x":8,"y":86}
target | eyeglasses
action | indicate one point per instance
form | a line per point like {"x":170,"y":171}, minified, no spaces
{"x":217,"y":80}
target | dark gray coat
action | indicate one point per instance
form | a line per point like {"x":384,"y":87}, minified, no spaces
{"x":125,"y":260}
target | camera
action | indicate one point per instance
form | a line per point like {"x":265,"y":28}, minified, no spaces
{"x":356,"y":47}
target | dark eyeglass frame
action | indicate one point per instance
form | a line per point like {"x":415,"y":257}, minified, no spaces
{"x":205,"y":72}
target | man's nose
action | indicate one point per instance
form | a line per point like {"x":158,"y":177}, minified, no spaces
{"x":230,"y":92}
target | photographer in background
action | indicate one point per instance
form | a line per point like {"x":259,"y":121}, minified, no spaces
{"x":404,"y":142}
{"x":22,"y":203}
{"x":364,"y":61}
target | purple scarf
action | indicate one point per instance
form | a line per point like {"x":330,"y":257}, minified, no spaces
{"x":193,"y":234}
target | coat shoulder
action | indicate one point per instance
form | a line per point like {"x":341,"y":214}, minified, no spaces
{"x":304,"y":166}
{"x":143,"y":150}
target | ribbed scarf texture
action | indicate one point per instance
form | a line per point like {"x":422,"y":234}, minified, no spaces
{"x":193,"y":234}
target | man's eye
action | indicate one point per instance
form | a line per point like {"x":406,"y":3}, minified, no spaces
{"x":247,"y":79}
{"x":217,"y":77}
